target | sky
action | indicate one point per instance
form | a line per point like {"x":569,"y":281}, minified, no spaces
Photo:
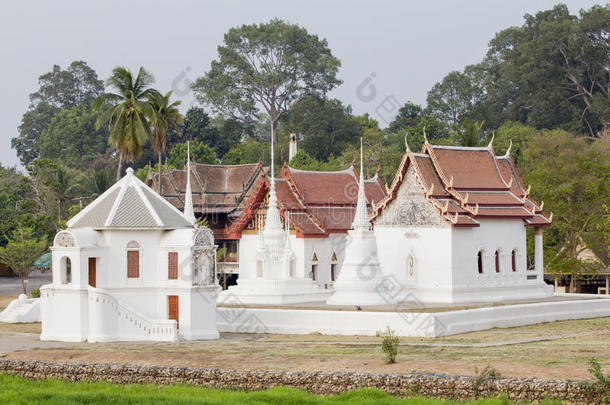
{"x":390,"y":51}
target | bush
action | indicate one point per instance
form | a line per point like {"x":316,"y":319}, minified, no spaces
{"x":602,"y":381}
{"x":389,"y":344}
{"x":35,"y":293}
{"x":482,"y":380}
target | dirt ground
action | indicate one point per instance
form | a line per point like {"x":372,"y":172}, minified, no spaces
{"x":550,"y":350}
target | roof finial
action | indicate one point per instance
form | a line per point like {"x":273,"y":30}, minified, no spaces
{"x":189,"y":212}
{"x":425,"y":136}
{"x":407,"y":142}
{"x":493,"y":135}
{"x":510,"y":145}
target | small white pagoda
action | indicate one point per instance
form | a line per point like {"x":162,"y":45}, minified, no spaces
{"x":276,"y":280}
{"x":360,"y":281}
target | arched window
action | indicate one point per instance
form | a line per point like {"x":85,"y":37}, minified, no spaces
{"x":480,"y":261}
{"x":65,"y":270}
{"x":314,"y":267}
{"x":513,"y":260}
{"x":133,"y":259}
{"x":497,"y":259}
{"x":333,"y":267}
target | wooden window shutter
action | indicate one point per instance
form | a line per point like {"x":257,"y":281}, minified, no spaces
{"x":133,"y":264}
{"x":172,"y":265}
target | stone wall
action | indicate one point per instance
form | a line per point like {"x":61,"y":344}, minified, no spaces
{"x":439,"y":386}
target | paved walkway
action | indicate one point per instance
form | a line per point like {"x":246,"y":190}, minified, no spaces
{"x":15,"y":342}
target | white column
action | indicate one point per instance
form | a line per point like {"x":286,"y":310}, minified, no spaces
{"x":538,"y":254}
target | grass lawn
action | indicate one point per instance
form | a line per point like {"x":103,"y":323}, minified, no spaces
{"x":16,"y":390}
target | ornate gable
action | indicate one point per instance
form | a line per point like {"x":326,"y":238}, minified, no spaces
{"x":410,"y":207}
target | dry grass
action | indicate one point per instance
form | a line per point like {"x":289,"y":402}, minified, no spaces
{"x":5,"y":299}
{"x":556,"y":357}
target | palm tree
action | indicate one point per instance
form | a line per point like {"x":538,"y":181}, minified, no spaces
{"x":468,"y":133}
{"x":165,"y":117}
{"x":128,"y":113}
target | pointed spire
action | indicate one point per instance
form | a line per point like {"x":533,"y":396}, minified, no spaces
{"x":491,"y":142}
{"x":189,"y":213}
{"x":361,"y":219}
{"x":510,"y":145}
{"x":273,"y":221}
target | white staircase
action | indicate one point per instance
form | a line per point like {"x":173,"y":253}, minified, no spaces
{"x":112,"y":320}
{"x":22,"y":310}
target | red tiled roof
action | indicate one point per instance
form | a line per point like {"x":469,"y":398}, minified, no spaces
{"x":322,"y":188}
{"x":470,"y":168}
{"x":468,"y":183}
{"x":319,"y":202}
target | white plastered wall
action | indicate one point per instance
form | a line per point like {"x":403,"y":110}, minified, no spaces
{"x":503,"y":236}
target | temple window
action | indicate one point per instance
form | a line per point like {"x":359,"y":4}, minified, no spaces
{"x":333,"y":267}
{"x":65,"y":270}
{"x":480,"y":261}
{"x":313,"y":274}
{"x":513,"y":260}
{"x":497,"y":260}
{"x":133,"y":259}
{"x":172,"y":265}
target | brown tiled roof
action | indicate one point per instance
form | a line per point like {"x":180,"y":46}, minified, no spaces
{"x":465,"y":184}
{"x":319,"y":202}
{"x":215,"y":188}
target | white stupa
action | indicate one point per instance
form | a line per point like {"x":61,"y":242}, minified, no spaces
{"x":276,"y":280}
{"x":361,"y":277}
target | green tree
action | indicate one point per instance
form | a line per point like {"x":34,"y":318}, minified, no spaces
{"x":250,"y":151}
{"x":58,"y":89}
{"x":165,"y":117}
{"x":408,"y":116}
{"x":19,"y":206}
{"x":301,"y":160}
{"x":555,"y":164}
{"x":21,"y":251}
{"x":468,"y":133}
{"x":33,"y":123}
{"x":55,"y":183}
{"x":200,"y":153}
{"x":127,"y":112}
{"x":450,"y":100}
{"x":553,"y":70}
{"x":435,"y":130}
{"x":515,"y":134}
{"x":328,"y":126}
{"x":71,"y":137}
{"x":266,"y":67}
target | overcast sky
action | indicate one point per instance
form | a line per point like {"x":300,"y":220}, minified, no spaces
{"x":390,"y":51}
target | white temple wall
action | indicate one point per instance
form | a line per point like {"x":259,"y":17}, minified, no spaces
{"x":419,"y":259}
{"x":494,"y":283}
{"x":247,"y":255}
{"x":304,"y":249}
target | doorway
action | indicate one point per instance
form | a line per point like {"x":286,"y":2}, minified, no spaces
{"x":172,"y":309}
{"x":92,"y":272}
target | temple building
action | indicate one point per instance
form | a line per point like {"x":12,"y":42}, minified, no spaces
{"x":452,"y":228}
{"x":235,"y":199}
{"x":130,"y":266}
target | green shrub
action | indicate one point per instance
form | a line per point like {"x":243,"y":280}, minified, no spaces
{"x":602,"y":380}
{"x":35,"y":293}
{"x":389,"y":344}
{"x":483,"y":378}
